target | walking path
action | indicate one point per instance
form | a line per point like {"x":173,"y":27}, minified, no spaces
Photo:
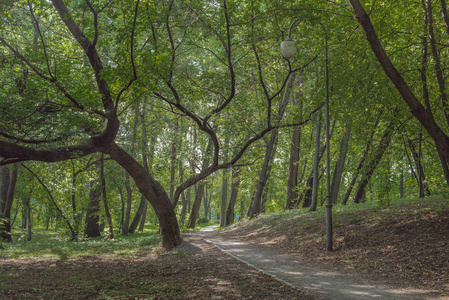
{"x":332,"y":285}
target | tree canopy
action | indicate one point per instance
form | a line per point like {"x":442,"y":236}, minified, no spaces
{"x":174,"y":91}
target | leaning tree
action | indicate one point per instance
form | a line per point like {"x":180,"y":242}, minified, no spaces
{"x":72,"y":69}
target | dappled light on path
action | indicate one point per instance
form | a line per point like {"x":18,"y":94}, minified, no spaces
{"x":331,"y":284}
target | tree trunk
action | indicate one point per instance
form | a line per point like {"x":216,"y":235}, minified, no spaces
{"x":425,"y":62}
{"x":129,"y":192}
{"x":145,"y":162}
{"x":153,"y":192}
{"x":105,"y":199}
{"x":205,"y":201}
{"x":195,"y":211}
{"x":306,"y":195}
{"x":292,"y":181}
{"x":183,"y":196}
{"x":122,"y":207}
{"x":257,"y":206}
{"x":129,"y":200}
{"x":340,"y":164}
{"x":235,"y":182}
{"x":316,"y":163}
{"x":380,"y":150}
{"x":138,"y":216}
{"x":10,"y":187}
{"x":419,"y":175}
{"x":4,"y":185}
{"x":24,"y":216}
{"x":143,"y":218}
{"x":362,"y":162}
{"x":292,"y":194}
{"x":174,"y":147}
{"x":436,"y":58}
{"x":185,"y":205}
{"x":224,"y":187}
{"x":92,"y":228}
{"x":29,"y":218}
{"x":76,"y":216}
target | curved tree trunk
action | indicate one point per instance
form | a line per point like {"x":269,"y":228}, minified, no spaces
{"x":153,"y":192}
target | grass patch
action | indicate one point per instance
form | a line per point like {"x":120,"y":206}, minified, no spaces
{"x":49,"y":244}
{"x":351,"y":214}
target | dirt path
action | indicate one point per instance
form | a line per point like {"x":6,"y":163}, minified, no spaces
{"x":332,"y":285}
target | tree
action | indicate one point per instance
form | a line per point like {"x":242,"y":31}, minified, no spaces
{"x":195,"y":211}
{"x":258,"y":204}
{"x":292,"y":194}
{"x":7,"y":188}
{"x":92,"y":228}
{"x":71,"y":99}
{"x":422,"y":113}
{"x":235,"y":182}
{"x":316,"y":164}
{"x":339,"y":165}
{"x":377,"y":156}
{"x":99,"y":141}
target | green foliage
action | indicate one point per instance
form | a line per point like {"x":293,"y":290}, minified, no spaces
{"x":197,"y":66}
{"x":50,"y":244}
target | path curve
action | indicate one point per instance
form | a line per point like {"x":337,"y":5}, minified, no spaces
{"x":332,"y":285}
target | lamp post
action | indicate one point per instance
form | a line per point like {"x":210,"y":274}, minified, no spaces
{"x":288,"y":50}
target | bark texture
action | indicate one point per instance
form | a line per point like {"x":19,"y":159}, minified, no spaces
{"x":153,"y":192}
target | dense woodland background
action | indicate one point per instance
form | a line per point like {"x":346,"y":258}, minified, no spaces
{"x":176,"y":112}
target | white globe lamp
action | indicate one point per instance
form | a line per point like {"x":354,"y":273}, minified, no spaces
{"x":288,"y":48}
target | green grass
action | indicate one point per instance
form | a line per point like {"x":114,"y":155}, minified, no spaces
{"x":53,"y":244}
{"x":350,"y":213}
{"x":50,"y":244}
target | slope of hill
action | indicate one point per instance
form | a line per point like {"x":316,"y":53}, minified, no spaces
{"x":405,"y":244}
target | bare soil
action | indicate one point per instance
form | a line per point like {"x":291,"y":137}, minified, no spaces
{"x":196,"y":270}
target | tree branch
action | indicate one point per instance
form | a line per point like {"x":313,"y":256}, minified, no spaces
{"x":11,"y":152}
{"x":134,"y":78}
